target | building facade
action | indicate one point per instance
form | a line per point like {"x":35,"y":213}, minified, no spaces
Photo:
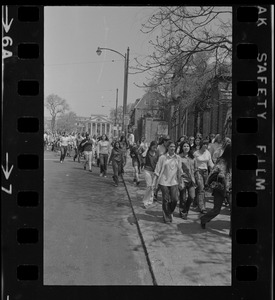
{"x":95,"y":125}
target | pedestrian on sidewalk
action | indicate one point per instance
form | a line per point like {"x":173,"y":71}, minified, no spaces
{"x":162,"y":149}
{"x":136,"y":162}
{"x":117,"y":159}
{"x":168,"y":174}
{"x":215,"y":148}
{"x":103,"y":149}
{"x":124,"y":146}
{"x":150,"y":163}
{"x":63,"y":141}
{"x":203,"y":161}
{"x":88,"y":152}
{"x":188,"y":168}
{"x":221,"y":172}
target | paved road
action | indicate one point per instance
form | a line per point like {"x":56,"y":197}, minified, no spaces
{"x":89,"y":238}
{"x":91,"y":234}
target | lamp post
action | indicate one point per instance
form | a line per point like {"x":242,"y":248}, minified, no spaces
{"x":126,"y":71}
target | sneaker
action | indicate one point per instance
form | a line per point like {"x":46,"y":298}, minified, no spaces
{"x":138,"y":182}
{"x":100,"y":174}
{"x":115,"y":184}
{"x":203,"y":211}
{"x":202,"y":225}
{"x":61,"y":161}
{"x":90,"y":171}
{"x":84,"y":167}
{"x":134,"y":180}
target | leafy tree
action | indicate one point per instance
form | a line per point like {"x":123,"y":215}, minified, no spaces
{"x":56,"y":106}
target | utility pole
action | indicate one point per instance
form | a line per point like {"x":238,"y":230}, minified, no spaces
{"x":116,"y":111}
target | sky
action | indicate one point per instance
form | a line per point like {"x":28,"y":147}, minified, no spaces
{"x":72,"y":68}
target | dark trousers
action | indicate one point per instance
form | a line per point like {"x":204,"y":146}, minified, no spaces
{"x":201,"y":177}
{"x":170,"y":195}
{"x":117,"y":168}
{"x":77,"y":154}
{"x":103,"y":163}
{"x":63,"y":152}
{"x":219,"y":197}
{"x":185,"y":201}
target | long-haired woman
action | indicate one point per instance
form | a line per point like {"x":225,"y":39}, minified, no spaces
{"x":116,"y":158}
{"x":103,"y":149}
{"x":136,"y":162}
{"x":168,"y":175}
{"x":150,"y":163}
{"x":197,"y":145}
{"x":124,"y":146}
{"x":221,"y":172}
{"x":203,"y":161}
{"x":188,"y":168}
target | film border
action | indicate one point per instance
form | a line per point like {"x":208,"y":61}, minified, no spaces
{"x":22,"y":176}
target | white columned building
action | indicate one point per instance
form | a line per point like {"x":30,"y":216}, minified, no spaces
{"x":98,"y":125}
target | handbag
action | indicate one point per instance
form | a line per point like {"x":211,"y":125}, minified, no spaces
{"x":215,"y":184}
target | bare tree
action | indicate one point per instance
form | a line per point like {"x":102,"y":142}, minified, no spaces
{"x":181,"y":33}
{"x":66,"y":122}
{"x":56,"y":106}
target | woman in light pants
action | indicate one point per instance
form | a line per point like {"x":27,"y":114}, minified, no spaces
{"x":88,"y":152}
{"x":151,"y":160}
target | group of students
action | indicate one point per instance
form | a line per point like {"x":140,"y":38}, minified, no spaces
{"x":184,"y":172}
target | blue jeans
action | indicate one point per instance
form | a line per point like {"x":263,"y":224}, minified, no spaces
{"x":63,"y":152}
{"x":103,"y":163}
{"x":185,"y":201}
{"x":117,"y":169}
{"x":170,"y":196}
{"x":201,"y":177}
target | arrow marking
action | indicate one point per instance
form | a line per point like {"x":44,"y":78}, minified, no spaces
{"x":9,"y":191}
{"x":6,"y":171}
{"x":5,"y":20}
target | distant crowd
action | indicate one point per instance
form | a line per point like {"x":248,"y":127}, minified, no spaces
{"x":182,"y":170}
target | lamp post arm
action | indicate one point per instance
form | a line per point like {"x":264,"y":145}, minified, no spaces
{"x":112,"y":51}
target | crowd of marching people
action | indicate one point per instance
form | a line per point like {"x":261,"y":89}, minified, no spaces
{"x":183,"y":170}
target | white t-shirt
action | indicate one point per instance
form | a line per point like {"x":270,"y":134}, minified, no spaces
{"x":203,"y":160}
{"x":131,"y":139}
{"x":64,"y":140}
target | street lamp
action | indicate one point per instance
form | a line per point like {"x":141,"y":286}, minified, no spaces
{"x":126,"y":71}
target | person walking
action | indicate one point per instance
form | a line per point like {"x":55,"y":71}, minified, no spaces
{"x":136,"y":162}
{"x":203,"y":161}
{"x":87,"y":145}
{"x":150,"y":163}
{"x":117,"y":159}
{"x":215,"y":147}
{"x":124,"y":146}
{"x":222,"y":174}
{"x":103,"y":150}
{"x":168,"y":173}
{"x":78,"y":141}
{"x":63,"y":141}
{"x":191,"y":141}
{"x":182,"y":139}
{"x":188,"y":168}
{"x":161,"y":149}
{"x":197,"y":145}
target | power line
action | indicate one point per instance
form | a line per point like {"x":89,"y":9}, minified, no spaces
{"x":84,"y":62}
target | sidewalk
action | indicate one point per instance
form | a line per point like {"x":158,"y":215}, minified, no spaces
{"x":181,"y":253}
